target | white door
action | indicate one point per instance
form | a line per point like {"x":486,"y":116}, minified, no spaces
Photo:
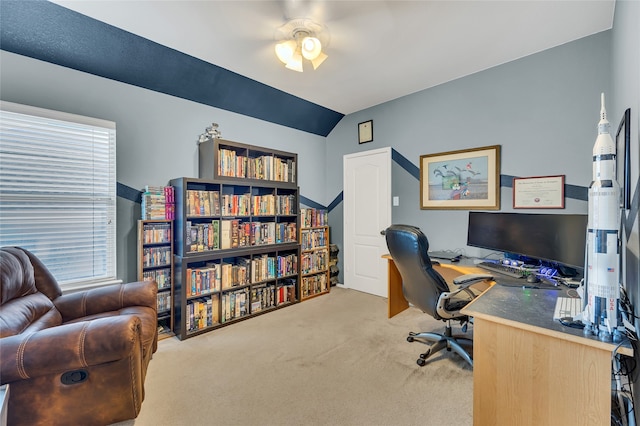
{"x":367,"y":211}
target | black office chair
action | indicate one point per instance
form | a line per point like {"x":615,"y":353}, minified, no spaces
{"x":426,"y":289}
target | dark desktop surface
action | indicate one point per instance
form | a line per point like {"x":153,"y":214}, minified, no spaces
{"x":528,"y":306}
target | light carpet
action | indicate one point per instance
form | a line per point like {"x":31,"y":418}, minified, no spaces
{"x":332,"y":360}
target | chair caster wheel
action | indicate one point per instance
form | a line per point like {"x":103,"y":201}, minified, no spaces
{"x":421,"y":362}
{"x":410,"y":339}
{"x":423,"y":356}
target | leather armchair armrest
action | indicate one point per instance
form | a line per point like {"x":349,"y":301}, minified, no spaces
{"x":68,"y":347}
{"x":107,"y":299}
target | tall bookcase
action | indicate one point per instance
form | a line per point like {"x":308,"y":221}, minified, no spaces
{"x":314,"y":257}
{"x":155,"y":263}
{"x":236,"y":241}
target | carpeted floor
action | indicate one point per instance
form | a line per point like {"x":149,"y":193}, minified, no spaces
{"x":331,"y":360}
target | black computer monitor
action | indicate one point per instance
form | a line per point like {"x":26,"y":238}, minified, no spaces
{"x":555,"y":238}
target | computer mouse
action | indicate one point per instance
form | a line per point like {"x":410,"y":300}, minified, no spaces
{"x":532,"y":278}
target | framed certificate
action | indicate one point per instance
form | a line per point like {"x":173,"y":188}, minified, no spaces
{"x":540,"y":192}
{"x":365,"y":131}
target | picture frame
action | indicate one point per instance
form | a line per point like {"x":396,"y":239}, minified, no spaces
{"x":467,"y":179}
{"x":365,"y":131}
{"x":538,"y":192}
{"x":623,"y":159}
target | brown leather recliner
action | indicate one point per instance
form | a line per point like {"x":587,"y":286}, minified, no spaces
{"x":78,"y":358}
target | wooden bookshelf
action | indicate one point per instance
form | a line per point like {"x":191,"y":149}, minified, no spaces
{"x":155,"y":263}
{"x":237,"y":247}
{"x":314,"y":253}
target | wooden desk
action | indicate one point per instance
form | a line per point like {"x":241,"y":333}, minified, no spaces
{"x":531,"y":370}
{"x":396,"y":302}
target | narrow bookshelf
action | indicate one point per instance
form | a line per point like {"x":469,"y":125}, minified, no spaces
{"x":236,"y":252}
{"x":314,"y":253}
{"x":155,"y":263}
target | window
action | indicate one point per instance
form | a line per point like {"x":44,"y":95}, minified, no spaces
{"x":58,"y":192}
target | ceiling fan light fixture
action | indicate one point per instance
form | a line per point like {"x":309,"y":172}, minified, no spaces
{"x":318,"y":60}
{"x":299,"y":39}
{"x":311,"y":48}
{"x":285,"y":50}
{"x":295,"y":62}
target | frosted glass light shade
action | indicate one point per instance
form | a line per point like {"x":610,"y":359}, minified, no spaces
{"x":285,"y":50}
{"x":295,"y":62}
{"x":318,"y":60}
{"x":311,"y":48}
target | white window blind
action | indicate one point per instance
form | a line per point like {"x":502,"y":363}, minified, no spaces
{"x":58,"y":192}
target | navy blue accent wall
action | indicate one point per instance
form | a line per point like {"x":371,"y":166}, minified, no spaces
{"x":52,"y":33}
{"x":128,"y":193}
{"x":404,"y":162}
{"x":310,"y":203}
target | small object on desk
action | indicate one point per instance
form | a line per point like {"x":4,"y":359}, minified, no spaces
{"x":532,"y":278}
{"x":445,"y":255}
{"x":570,"y":322}
{"x":463,"y":279}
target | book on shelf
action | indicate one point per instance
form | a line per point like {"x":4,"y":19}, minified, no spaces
{"x":158,"y":203}
{"x":310,"y":217}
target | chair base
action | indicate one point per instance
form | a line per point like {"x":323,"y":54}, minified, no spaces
{"x":437,"y":342}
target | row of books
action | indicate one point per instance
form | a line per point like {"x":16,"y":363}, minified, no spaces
{"x":221,"y":276}
{"x":156,"y":256}
{"x":235,"y":304}
{"x":202,"y":203}
{"x":211,"y":203}
{"x":156,"y":233}
{"x":313,"y":238}
{"x":286,"y":293}
{"x":266,"y":167}
{"x":262,"y":297}
{"x":162,"y":277}
{"x":201,"y":313}
{"x":315,"y":261}
{"x":164,"y":301}
{"x":158,"y":203}
{"x":310,"y":217}
{"x":263,"y":205}
{"x":234,"y":233}
{"x":314,"y":285}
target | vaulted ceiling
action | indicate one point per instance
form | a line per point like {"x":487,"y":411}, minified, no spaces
{"x":378,"y":50}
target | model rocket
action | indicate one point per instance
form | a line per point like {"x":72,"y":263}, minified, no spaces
{"x":603,"y":247}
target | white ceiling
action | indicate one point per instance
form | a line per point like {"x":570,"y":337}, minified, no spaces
{"x":378,"y":50}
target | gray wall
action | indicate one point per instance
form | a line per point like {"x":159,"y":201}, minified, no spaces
{"x":542,"y":109}
{"x":156,"y":133}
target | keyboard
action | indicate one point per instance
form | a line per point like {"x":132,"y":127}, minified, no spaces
{"x":567,"y":307}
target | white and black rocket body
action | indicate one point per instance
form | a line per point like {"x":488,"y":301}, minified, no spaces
{"x":603,"y":246}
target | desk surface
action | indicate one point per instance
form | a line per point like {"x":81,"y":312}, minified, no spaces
{"x":532,"y":310}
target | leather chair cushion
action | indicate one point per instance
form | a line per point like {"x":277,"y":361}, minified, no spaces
{"x":16,"y":275}
{"x":148,"y":322}
{"x":28,"y":314}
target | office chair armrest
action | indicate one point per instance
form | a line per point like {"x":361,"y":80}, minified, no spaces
{"x":469,"y":279}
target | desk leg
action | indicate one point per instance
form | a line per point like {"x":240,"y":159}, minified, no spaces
{"x":396,"y":302}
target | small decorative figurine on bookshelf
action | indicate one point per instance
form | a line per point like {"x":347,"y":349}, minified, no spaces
{"x":210,"y":133}
{"x":158,"y":203}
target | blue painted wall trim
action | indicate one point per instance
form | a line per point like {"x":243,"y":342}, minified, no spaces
{"x":404,"y":162}
{"x":49,"y":32}
{"x":310,"y":203}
